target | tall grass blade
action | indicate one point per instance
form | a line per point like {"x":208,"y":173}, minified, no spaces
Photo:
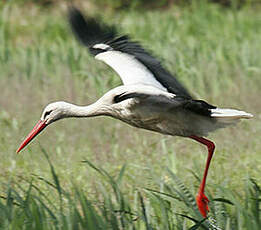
{"x":197,"y":225}
{"x":144,"y":213}
{"x":184,"y":193}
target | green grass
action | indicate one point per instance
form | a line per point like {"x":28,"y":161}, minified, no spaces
{"x":215,"y":52}
{"x":171,"y":207}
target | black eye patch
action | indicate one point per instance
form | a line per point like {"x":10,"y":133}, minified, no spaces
{"x":47,"y":113}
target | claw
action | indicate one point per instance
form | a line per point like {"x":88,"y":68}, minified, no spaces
{"x":202,"y":202}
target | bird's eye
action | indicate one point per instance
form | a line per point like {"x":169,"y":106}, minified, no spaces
{"x":47,"y":113}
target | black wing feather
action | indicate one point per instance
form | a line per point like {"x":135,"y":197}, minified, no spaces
{"x":199,"y":107}
{"x":91,"y":32}
{"x":124,"y":96}
{"x":88,"y":30}
{"x":124,"y":45}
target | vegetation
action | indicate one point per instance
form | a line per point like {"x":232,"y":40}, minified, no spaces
{"x":102,"y":174}
{"x":141,"y":4}
{"x":31,"y":208}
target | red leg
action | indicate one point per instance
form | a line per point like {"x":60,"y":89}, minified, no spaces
{"x":202,"y":200}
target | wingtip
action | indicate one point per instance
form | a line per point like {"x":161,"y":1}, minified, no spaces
{"x":89,"y":30}
{"x":73,"y":12}
{"x":78,"y":25}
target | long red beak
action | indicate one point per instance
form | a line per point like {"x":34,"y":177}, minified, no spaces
{"x":36,"y":130}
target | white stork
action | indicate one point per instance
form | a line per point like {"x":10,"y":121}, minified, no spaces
{"x":150,"y":97}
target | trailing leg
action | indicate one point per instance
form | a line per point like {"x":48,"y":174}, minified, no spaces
{"x":202,"y":200}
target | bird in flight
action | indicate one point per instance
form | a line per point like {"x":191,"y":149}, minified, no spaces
{"x":150,"y":97}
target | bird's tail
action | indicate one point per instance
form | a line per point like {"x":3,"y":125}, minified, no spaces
{"x":229,"y":115}
{"x":219,"y":118}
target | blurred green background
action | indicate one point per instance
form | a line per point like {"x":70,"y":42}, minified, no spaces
{"x":214,"y":47}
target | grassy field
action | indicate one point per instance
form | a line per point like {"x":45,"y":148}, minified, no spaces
{"x":102,"y":174}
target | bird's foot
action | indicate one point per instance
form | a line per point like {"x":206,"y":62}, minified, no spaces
{"x":202,"y":202}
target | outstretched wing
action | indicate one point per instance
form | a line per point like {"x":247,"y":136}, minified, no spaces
{"x":133,"y":64}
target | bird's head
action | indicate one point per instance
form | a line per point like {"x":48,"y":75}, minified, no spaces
{"x":113,"y":101}
{"x":55,"y":111}
{"x":52,"y":112}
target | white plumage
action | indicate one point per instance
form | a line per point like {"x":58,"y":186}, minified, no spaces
{"x":129,"y":68}
{"x":229,"y":113}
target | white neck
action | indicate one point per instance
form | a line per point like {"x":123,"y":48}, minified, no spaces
{"x":92,"y":110}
